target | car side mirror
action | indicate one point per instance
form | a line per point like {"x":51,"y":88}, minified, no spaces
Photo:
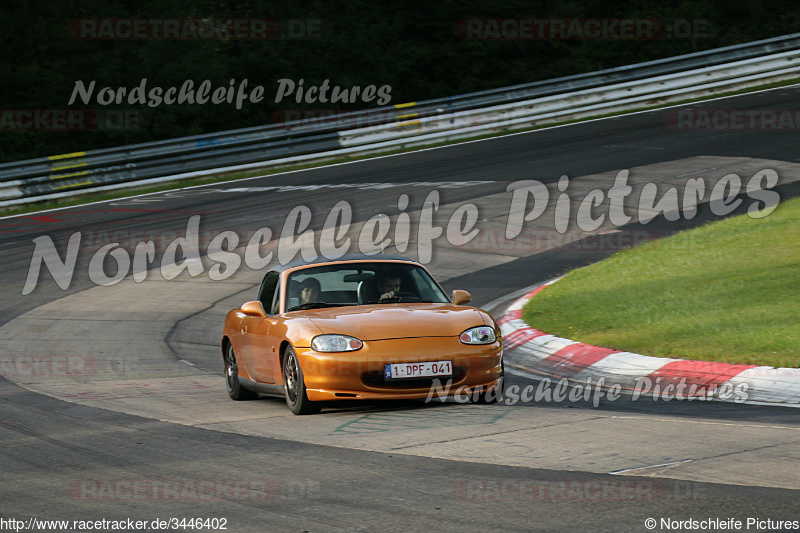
{"x":461,"y":297}
{"x":254,"y":308}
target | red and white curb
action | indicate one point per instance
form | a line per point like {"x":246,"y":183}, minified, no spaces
{"x":529,"y":350}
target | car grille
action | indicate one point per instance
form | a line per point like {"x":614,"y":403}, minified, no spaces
{"x":376,"y":379}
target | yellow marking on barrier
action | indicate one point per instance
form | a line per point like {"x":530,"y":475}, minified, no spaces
{"x":413,"y":122}
{"x":73,"y":185}
{"x":66,"y":156}
{"x":408,"y":116}
{"x":62,"y":176}
{"x":74,"y":165}
{"x":398,"y":106}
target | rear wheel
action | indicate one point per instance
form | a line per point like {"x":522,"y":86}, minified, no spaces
{"x":235,"y":389}
{"x":295,"y":386}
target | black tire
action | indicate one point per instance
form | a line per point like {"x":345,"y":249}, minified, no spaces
{"x":235,"y":389}
{"x":295,"y":387}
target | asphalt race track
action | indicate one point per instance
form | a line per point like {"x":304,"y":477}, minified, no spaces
{"x":112,"y":402}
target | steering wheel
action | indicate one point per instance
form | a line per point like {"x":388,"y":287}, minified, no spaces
{"x":406,"y":294}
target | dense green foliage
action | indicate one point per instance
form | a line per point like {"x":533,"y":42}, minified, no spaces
{"x":411,"y":46}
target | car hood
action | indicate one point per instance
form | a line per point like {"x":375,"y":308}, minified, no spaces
{"x":396,"y":321}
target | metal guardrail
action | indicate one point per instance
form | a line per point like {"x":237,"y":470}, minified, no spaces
{"x":56,"y":176}
{"x":594,"y":101}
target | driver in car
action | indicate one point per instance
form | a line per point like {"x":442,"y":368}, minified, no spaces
{"x":388,"y":285}
{"x":309,"y":291}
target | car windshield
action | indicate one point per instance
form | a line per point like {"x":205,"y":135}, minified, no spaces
{"x":361,"y":284}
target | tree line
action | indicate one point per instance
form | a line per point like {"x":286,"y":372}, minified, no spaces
{"x":418,"y":50}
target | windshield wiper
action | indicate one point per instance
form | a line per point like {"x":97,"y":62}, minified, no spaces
{"x":313,"y":305}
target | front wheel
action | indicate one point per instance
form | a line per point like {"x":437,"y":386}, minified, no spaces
{"x":235,"y":389}
{"x":295,"y":387}
{"x":495,"y":394}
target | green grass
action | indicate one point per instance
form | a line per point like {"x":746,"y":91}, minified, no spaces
{"x":728,"y":291}
{"x":231,"y":176}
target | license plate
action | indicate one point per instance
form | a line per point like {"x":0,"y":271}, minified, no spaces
{"x":426,"y":369}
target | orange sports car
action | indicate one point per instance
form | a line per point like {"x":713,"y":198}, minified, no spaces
{"x":359,"y":328}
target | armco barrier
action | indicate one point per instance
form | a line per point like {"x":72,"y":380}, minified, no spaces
{"x":595,"y":101}
{"x":403,"y":125}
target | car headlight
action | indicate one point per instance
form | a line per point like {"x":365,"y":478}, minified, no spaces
{"x":479,"y":335}
{"x":335,"y":343}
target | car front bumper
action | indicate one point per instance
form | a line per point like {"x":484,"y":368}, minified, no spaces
{"x":360,"y":374}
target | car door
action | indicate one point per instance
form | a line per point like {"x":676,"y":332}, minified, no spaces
{"x":257,"y":349}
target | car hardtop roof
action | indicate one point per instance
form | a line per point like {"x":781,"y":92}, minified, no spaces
{"x":346,"y":257}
